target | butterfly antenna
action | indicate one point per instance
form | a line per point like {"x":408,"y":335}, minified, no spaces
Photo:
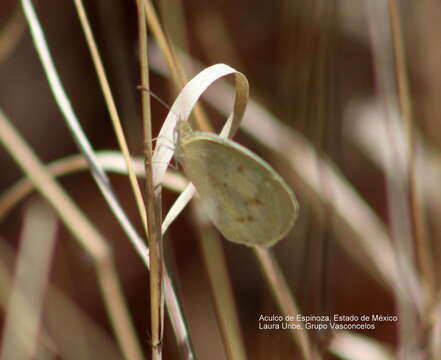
{"x":156,"y":97}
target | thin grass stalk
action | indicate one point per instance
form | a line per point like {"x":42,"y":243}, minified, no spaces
{"x":425,"y":260}
{"x":221,"y":287}
{"x":82,"y":230}
{"x":80,"y":138}
{"x":111,"y":106}
{"x":178,"y":75}
{"x":175,"y":22}
{"x":25,"y":308}
{"x":74,"y":335}
{"x":113,"y":161}
{"x":396,"y":171}
{"x":47,"y":350}
{"x":394,"y":168}
{"x":322,"y":117}
{"x":153,"y":200}
{"x":286,"y":302}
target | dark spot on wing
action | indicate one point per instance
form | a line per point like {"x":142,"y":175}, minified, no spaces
{"x":253,"y":201}
{"x":240,"y":168}
{"x":242,"y":219}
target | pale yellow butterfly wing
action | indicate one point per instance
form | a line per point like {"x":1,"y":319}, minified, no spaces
{"x":242,"y":195}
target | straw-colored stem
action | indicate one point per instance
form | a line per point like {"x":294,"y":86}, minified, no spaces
{"x":113,"y":112}
{"x":153,"y":201}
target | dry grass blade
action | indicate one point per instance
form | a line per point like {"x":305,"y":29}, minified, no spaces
{"x":46,"y":349}
{"x":110,"y":161}
{"x":156,"y":28}
{"x":173,"y":16}
{"x":178,"y":76}
{"x":361,"y":232}
{"x":82,"y":230}
{"x":24,"y":313}
{"x":75,"y":127}
{"x":73,"y":333}
{"x":118,"y":132}
{"x":369,"y":132}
